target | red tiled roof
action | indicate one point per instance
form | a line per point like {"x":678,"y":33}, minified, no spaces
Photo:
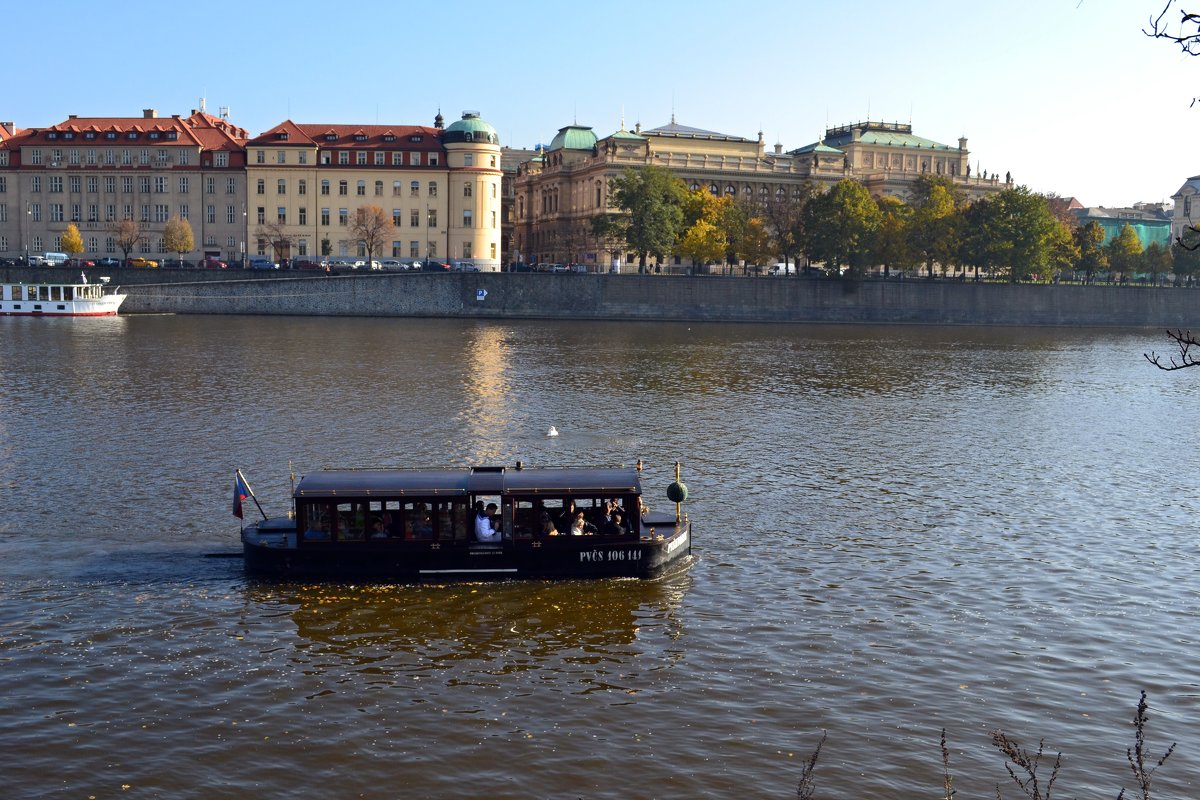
{"x":383,"y":137}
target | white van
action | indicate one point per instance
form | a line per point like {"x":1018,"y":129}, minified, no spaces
{"x":54,"y":259}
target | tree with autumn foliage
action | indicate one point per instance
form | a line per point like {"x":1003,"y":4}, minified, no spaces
{"x":1125,"y":252}
{"x":177,"y":236}
{"x":72,"y":242}
{"x":840,"y":225}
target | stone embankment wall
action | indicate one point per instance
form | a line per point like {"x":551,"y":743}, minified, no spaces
{"x":645,"y":297}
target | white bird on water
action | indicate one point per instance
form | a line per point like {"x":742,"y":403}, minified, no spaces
{"x":552,"y":432}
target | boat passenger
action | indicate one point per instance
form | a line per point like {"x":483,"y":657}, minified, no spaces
{"x":581,"y":527}
{"x":614,"y":526}
{"x":485,"y":530}
{"x":318,"y":531}
{"x":548,"y":528}
{"x":377,"y":529}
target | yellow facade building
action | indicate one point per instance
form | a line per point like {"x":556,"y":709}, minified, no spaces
{"x":440,"y":185}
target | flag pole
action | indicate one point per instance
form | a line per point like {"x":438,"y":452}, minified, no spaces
{"x":246,"y":483}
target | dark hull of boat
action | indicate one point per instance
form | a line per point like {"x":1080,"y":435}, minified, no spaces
{"x":391,"y":561}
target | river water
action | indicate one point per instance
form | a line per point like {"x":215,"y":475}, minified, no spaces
{"x":897,"y":530}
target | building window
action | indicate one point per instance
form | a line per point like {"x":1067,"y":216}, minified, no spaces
{"x":397,"y":188}
{"x":361,"y":188}
{"x":467,"y":251}
{"x":281,"y":186}
{"x":343,"y":217}
{"x":397,"y":249}
{"x":210,"y":185}
{"x":433,"y":188}
{"x":467,"y":218}
{"x":76,"y":184}
{"x":184,"y":211}
{"x":414,"y":249}
{"x":379,"y":188}
{"x":379,"y":158}
{"x":325,"y":186}
{"x":343,"y":188}
{"x":468,"y":159}
{"x":433,"y":159}
{"x":361,"y":158}
{"x":144,"y":184}
{"x":302,"y":186}
{"x":493,"y":219}
{"x":467,"y":189}
{"x":281,"y":215}
{"x":344,"y":157}
{"x":183,"y":185}
{"x":432,"y":218}
{"x":414,"y":217}
{"x":396,"y":217}
{"x":231,"y":186}
{"x":415,"y":159}
{"x":302,"y":157}
{"x":493,"y":251}
{"x":325,"y":216}
{"x":281,"y":157}
{"x":260,"y":187}
{"x":262,"y":215}
{"x":397,"y":159}
{"x":260,"y":157}
{"x":230,"y":214}
{"x":56,"y":183}
{"x":303,"y":215}
{"x":414,"y":189}
{"x":160,"y":184}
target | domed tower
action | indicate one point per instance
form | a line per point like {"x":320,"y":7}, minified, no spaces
{"x":473,"y":159}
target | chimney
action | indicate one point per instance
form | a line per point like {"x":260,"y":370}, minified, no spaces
{"x":72,"y":116}
{"x":11,"y":127}
{"x":149,"y":113}
{"x":778,"y":148}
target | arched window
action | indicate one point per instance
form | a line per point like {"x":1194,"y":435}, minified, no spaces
{"x":712,"y":188}
{"x":730,"y":189}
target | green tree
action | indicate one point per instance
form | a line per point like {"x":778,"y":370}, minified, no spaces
{"x":653,"y":198}
{"x":1157,"y":260}
{"x":1089,"y":243}
{"x":177,"y":236}
{"x":934,"y":227}
{"x":1125,"y":252}
{"x":1014,"y":233}
{"x":892,"y":245}
{"x":72,"y":242}
{"x":840,"y":225}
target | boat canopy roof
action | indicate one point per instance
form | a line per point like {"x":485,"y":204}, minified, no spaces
{"x":566,"y":481}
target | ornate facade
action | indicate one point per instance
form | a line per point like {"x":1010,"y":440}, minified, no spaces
{"x":558,"y":191}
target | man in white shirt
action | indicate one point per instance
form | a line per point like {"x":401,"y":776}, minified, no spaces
{"x":484,"y":532}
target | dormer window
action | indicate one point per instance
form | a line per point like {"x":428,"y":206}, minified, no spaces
{"x":131,"y":135}
{"x":282,"y":136}
{"x":51,"y":135}
{"x":389,"y":138}
{"x":360,"y":137}
{"x":110,"y":135}
{"x":89,"y":135}
{"x":172,"y":135}
{"x":68,"y":135}
{"x":331,"y":137}
{"x":154,"y":134}
{"x":416,"y":138}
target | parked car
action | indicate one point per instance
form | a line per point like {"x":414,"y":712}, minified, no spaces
{"x":210,"y":262}
{"x":81,"y":262}
{"x":304,"y":262}
{"x":176,"y":263}
{"x":430,"y":265}
{"x":259,"y":262}
{"x":559,"y":268}
{"x":465,"y":266}
{"x":139,"y":261}
{"x":520,"y":266}
{"x":392,"y":264}
{"x":108,"y":261}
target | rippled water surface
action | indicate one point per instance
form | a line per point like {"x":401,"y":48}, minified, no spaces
{"x":898,"y":530}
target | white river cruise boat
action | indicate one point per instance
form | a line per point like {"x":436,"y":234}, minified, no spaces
{"x":82,"y":299}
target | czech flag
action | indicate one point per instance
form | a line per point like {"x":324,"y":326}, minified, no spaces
{"x":241,"y":490}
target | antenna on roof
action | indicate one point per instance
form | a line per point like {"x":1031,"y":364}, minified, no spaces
{"x":223,"y":112}
{"x":203,"y":104}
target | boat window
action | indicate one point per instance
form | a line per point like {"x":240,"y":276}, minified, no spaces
{"x":314,"y":520}
{"x":418,"y":521}
{"x":43,"y":293}
{"x":351,"y":522}
{"x":524,"y":516}
{"x":68,"y":293}
{"x":454,"y":520}
{"x":31,"y":293}
{"x":56,"y":294}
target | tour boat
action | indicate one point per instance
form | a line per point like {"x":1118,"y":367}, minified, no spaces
{"x":471,"y":523}
{"x":81,"y":299}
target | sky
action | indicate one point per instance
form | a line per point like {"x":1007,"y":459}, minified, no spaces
{"x":1069,"y":96}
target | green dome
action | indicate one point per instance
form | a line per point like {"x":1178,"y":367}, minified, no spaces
{"x":573,"y":137}
{"x":471,"y":129}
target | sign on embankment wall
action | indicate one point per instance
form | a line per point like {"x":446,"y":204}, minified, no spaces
{"x":649,"y":297}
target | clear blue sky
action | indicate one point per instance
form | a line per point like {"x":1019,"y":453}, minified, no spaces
{"x":1068,"y":95}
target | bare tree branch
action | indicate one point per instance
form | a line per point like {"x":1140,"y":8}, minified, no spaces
{"x":1184,"y":341}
